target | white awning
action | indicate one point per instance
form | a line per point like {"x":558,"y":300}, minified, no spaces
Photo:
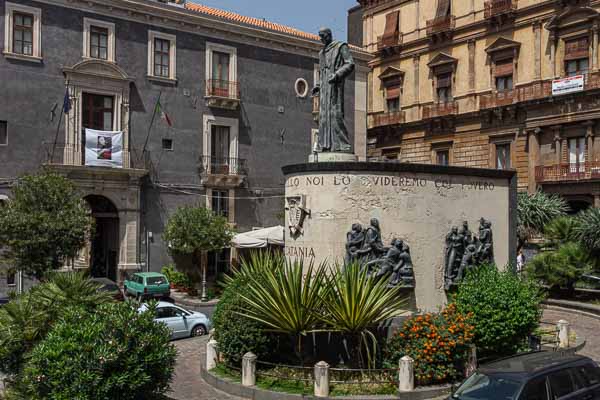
{"x":259,"y":238}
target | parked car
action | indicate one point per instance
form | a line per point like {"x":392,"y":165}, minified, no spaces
{"x":543,"y":375}
{"x":144,"y":285}
{"x":4,"y":300}
{"x":107,"y":285}
{"x":181,"y":322}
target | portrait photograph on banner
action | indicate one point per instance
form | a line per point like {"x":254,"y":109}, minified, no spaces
{"x":104,"y":148}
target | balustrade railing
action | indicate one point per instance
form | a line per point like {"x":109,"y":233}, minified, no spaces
{"x":223,"y":165}
{"x":386,"y":118}
{"x":440,"y":109}
{"x":568,"y":172}
{"x":224,"y":89}
{"x":497,"y":7}
{"x":384,"y":42}
{"x":440,"y":24}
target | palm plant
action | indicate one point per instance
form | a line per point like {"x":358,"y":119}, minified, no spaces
{"x":588,"y":229}
{"x":286,"y":297}
{"x":64,"y":289}
{"x":356,"y":303}
{"x":535,"y":211}
{"x":562,"y":230}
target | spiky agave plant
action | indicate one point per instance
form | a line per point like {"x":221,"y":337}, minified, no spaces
{"x":356,"y":303}
{"x":535,"y":211}
{"x":562,"y":230}
{"x":285,"y":296}
{"x":588,"y":229}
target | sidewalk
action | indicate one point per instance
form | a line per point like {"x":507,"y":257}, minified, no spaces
{"x":192,"y":303}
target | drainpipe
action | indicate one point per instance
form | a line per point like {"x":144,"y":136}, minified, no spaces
{"x":148,"y":238}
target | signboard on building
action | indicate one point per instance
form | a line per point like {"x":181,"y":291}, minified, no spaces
{"x":104,"y":148}
{"x":568,"y":85}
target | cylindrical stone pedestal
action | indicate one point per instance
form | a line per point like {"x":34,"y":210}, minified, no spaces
{"x":321,"y":379}
{"x":211,"y":354}
{"x":249,"y":369}
{"x":563,"y":333}
{"x":406,"y":377}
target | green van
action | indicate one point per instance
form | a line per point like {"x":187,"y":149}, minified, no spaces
{"x":144,"y":285}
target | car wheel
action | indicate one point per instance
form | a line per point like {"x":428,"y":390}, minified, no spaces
{"x":199,"y":330}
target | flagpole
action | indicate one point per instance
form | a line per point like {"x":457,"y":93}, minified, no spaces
{"x":151,"y":123}
{"x":62,"y":111}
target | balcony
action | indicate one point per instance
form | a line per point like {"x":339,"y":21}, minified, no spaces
{"x":376,"y":120}
{"x":440,"y":26}
{"x":389,"y":42}
{"x":440,"y":110}
{"x":499,"y":8}
{"x":222,"y":172}
{"x":498,"y":99}
{"x":567,"y":172}
{"x":222,"y":94}
{"x":534,"y":91}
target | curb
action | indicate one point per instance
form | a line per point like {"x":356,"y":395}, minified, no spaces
{"x":236,"y":389}
{"x":586,"y":310}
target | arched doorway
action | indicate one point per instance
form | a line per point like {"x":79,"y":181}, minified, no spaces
{"x":578,"y":205}
{"x":104,"y":249}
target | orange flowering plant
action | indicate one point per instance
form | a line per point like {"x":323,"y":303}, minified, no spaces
{"x":437,"y":342}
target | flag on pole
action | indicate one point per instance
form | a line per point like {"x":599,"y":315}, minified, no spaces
{"x":67,"y":102}
{"x":163,"y":114}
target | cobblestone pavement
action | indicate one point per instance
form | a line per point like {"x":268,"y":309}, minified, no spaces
{"x":188,"y":384}
{"x":586,"y":327}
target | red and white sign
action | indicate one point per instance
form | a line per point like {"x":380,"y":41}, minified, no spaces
{"x":568,"y":85}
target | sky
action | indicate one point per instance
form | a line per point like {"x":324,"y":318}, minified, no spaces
{"x":306,"y":15}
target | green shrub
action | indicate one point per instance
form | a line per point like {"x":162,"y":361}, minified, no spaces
{"x":176,"y":278}
{"x":235,"y":333}
{"x":588,"y":229}
{"x":438,"y":343}
{"x":505,"y":308}
{"x":114,"y":353}
{"x":562,"y":267}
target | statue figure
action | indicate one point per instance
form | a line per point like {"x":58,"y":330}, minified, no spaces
{"x":354,"y":242}
{"x":403,"y":272}
{"x":485,"y":251}
{"x":469,"y":260}
{"x":373,"y":247}
{"x":453,"y":255}
{"x":387,"y":263}
{"x":335,"y":64}
{"x":466,"y":233}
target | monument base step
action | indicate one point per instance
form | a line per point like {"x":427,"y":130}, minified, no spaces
{"x":332,"y":157}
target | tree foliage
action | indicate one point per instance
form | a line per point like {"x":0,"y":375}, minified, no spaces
{"x":113,"y":353}
{"x":535,"y":211}
{"x":44,"y":224}
{"x":505,"y":309}
{"x":191,"y":230}
{"x":588,"y":229}
{"x":562,"y":267}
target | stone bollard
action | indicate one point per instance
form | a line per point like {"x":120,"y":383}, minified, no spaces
{"x":563,"y":333}
{"x":321,"y":379}
{"x":211,"y":354}
{"x":249,"y":369}
{"x":471,"y":361}
{"x":406,"y":377}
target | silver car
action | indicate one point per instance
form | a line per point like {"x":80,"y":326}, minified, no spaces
{"x":181,"y":322}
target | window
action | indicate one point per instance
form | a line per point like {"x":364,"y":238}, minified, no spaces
{"x":444,"y":87}
{"x":392,"y":95}
{"x":220,"y":202}
{"x":161,"y":56}
{"x":503,"y":156}
{"x":3,"y":133}
{"x":577,"y":154}
{"x":218,"y":262}
{"x":590,"y":374}
{"x":10,"y":278}
{"x":221,"y":71}
{"x":98,"y":112}
{"x":576,"y":56}
{"x":561,"y":383}
{"x":167,"y":144}
{"x":504,"y":83}
{"x":535,"y":390}
{"x":22,"y":32}
{"x":98,"y":39}
{"x":442,"y":157}
{"x":301,"y":87}
{"x":393,"y":105}
{"x":168,"y":312}
{"x":99,"y":43}
{"x":219,"y":149}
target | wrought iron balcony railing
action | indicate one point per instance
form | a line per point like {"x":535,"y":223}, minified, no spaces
{"x":384,"y":42}
{"x":223,"y":166}
{"x":386,"y":118}
{"x":223,"y":89}
{"x":59,"y":154}
{"x":568,"y":172}
{"x":495,"y":8}
{"x":440,"y":25}
{"x":498,"y":99}
{"x":440,"y":109}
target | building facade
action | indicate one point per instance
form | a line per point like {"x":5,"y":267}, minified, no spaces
{"x":489,"y":83}
{"x":210,"y":105}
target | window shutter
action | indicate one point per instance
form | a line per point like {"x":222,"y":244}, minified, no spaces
{"x":443,"y":8}
{"x":503,"y":67}
{"x":391,"y":28}
{"x":444,"y":81}
{"x":392,"y":92}
{"x":577,"y":48}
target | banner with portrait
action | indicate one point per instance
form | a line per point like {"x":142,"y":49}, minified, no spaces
{"x":104,"y":148}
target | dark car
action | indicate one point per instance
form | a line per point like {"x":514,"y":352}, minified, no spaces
{"x":4,"y":300}
{"x":107,"y":285}
{"x":540,"y":375}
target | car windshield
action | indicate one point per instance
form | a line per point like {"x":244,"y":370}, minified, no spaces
{"x":487,"y":387}
{"x":156,"y":280}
